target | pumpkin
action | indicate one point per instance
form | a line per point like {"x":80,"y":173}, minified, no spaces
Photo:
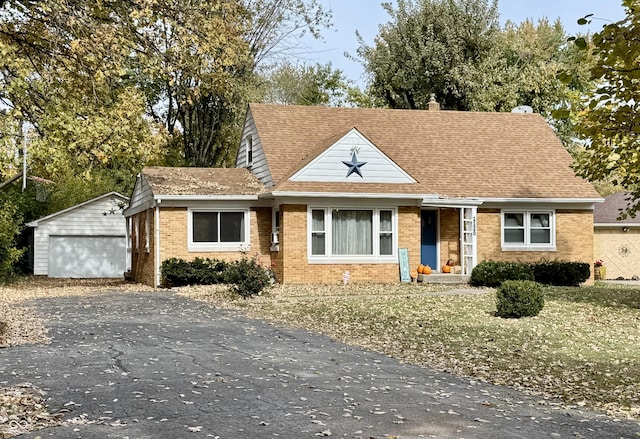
{"x":426,"y":270}
{"x":446,"y":268}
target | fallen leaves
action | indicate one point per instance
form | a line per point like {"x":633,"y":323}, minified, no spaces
{"x":585,"y":352}
{"x":22,"y":409}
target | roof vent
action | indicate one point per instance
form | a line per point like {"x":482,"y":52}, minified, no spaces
{"x":433,"y":104}
{"x":522,"y":109}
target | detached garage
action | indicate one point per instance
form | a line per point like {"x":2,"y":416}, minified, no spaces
{"x":617,"y":242}
{"x":88,"y":240}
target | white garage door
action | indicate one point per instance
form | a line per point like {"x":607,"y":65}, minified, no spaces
{"x":87,"y":256}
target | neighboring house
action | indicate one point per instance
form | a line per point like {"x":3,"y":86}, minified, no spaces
{"x":617,"y":242}
{"x":320,"y":191}
{"x":87,"y":240}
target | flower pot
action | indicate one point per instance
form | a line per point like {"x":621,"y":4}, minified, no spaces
{"x":600,"y":272}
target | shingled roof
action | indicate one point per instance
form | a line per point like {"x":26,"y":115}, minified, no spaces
{"x":451,"y":153}
{"x":201,"y":181}
{"x":609,"y":211}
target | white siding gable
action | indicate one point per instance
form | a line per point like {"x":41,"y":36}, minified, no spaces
{"x":141,"y":198}
{"x":258,"y":165}
{"x":329,"y":166}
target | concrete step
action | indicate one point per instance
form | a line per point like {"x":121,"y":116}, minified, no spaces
{"x":443,"y":278}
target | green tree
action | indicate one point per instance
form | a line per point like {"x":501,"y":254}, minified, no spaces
{"x":430,"y":46}
{"x":291,"y":84}
{"x":523,"y":69}
{"x":610,"y":123}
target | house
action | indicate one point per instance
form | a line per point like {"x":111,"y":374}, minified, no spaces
{"x":617,"y":241}
{"x":320,"y":191}
{"x":88,"y":240}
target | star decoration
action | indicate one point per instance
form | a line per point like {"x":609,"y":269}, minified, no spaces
{"x":354,"y":165}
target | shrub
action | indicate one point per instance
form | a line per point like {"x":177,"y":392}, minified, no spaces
{"x":519,"y":298}
{"x":247,"y":277}
{"x":569,"y":274}
{"x":178,"y":272}
{"x":493,"y":273}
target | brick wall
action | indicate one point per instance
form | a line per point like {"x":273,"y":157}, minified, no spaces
{"x":449,"y":236}
{"x":174,"y":242}
{"x":574,"y":238}
{"x":293,"y":251}
{"x":142,"y":259}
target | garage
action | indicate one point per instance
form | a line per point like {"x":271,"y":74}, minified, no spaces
{"x":617,"y":241}
{"x":88,"y":240}
{"x":87,"y":256}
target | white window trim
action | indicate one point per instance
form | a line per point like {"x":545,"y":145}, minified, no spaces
{"x":527,"y":246}
{"x":219,"y":246}
{"x":248,"y":145}
{"x":275,"y":231}
{"x":376,"y":258}
{"x":147,"y":232}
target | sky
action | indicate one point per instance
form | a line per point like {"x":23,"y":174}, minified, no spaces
{"x":366,"y":15}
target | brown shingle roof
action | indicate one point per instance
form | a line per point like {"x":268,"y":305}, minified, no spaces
{"x":468,"y":154}
{"x":608,"y":212}
{"x":201,"y":181}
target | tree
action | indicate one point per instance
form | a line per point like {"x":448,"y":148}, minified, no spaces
{"x":610,"y":123}
{"x":291,"y":84}
{"x":430,"y":46}
{"x":456,"y":50}
{"x":523,"y":69}
{"x":193,"y":63}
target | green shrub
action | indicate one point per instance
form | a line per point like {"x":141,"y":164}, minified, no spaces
{"x":492,"y":273}
{"x":519,"y":298}
{"x":247,"y":277}
{"x":569,"y":274}
{"x":178,"y":272}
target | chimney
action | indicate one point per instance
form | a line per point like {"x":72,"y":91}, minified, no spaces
{"x":433,"y":104}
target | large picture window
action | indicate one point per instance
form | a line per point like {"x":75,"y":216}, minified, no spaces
{"x":528,"y":229}
{"x":218,"y":229}
{"x":357,"y":234}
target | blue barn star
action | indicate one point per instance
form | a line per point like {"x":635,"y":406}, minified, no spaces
{"x":354,"y":166}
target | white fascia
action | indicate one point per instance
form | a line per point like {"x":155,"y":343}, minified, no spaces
{"x":160,"y":198}
{"x":630,"y":225}
{"x":342,"y":195}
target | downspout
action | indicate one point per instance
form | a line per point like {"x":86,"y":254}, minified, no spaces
{"x":157,"y":243}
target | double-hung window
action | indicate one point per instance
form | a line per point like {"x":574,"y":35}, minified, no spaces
{"x":528,"y":230}
{"x":338,"y":234}
{"x":218,"y":230}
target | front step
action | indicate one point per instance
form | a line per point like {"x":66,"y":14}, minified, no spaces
{"x":443,"y":278}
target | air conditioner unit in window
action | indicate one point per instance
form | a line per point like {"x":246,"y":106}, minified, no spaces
{"x":274,"y":238}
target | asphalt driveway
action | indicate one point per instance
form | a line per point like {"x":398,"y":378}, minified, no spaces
{"x":157,"y":365}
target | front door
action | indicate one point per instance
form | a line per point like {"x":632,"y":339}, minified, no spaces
{"x":429,"y":238}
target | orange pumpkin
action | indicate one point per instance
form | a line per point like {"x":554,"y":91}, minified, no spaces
{"x":446,"y":269}
{"x":426,"y":270}
{"x":420,"y":268}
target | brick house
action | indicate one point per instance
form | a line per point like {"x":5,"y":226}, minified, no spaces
{"x":319,"y":191}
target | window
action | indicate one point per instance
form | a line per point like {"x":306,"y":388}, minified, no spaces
{"x":528,"y":230}
{"x":355,"y":234}
{"x":275,"y":230}
{"x":218,"y":230}
{"x":249,"y":146}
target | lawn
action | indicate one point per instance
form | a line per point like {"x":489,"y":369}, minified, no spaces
{"x":583,"y":348}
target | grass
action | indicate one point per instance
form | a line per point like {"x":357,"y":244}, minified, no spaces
{"x":583,"y":347}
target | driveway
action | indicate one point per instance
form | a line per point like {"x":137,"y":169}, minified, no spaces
{"x":157,"y":365}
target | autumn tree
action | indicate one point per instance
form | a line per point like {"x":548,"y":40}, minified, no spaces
{"x":610,"y":123}
{"x":430,"y":46}
{"x":300,"y":84}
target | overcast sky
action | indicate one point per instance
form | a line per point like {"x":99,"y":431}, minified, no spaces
{"x":366,"y":15}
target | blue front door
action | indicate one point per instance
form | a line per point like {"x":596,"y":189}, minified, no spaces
{"x":429,"y":238}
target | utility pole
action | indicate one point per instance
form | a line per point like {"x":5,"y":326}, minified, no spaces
{"x":24,"y":157}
